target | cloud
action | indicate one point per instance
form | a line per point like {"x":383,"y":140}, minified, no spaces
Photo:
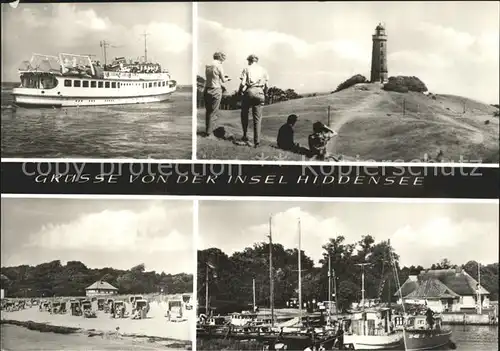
{"x":440,"y":237}
{"x":55,"y":28}
{"x":449,"y":60}
{"x":280,"y":51}
{"x":424,"y":243}
{"x":147,"y":231}
{"x":315,"y":230}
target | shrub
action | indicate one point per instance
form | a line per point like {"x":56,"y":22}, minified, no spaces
{"x":403,"y":84}
{"x":496,"y":114}
{"x":358,"y":78}
{"x":487,"y":122}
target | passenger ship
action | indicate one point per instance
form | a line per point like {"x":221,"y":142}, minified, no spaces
{"x":75,"y":80}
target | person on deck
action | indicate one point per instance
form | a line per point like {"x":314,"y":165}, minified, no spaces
{"x":319,"y":139}
{"x":285,"y":138}
{"x":253,"y":87}
{"x":214,"y":78}
{"x":429,"y":314}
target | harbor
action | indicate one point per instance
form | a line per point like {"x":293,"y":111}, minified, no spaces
{"x":359,"y":297}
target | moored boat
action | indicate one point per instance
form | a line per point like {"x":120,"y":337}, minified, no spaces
{"x":372,"y":330}
{"x":418,"y":335}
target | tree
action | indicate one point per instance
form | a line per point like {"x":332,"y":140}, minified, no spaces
{"x":54,"y":279}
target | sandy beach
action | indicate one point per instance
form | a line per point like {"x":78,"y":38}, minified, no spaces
{"x":155,"y":325}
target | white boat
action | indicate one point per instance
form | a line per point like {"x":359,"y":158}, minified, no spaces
{"x":372,"y":330}
{"x":75,"y":80}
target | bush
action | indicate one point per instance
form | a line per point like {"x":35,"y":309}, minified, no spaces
{"x":358,"y":78}
{"x":496,"y":114}
{"x":403,"y":84}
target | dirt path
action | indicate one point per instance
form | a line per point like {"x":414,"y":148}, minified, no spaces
{"x":366,"y":104}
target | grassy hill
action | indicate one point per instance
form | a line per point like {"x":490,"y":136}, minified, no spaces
{"x":372,"y":126}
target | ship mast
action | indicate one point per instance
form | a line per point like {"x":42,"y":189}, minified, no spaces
{"x":145,"y":35}
{"x":330,"y":288}
{"x":480,"y":305}
{"x":271,"y":282}
{"x":300,"y":275}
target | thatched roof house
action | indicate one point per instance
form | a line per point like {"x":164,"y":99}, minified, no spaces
{"x":454,"y":289}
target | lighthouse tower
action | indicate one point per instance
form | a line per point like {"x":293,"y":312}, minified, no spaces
{"x":379,"y":55}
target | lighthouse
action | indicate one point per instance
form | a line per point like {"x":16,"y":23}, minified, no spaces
{"x":379,"y":55}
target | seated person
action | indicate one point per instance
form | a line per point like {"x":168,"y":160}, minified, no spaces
{"x":318,"y":140}
{"x":285,"y":135}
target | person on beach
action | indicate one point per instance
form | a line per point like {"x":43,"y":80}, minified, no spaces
{"x":253,"y":87}
{"x":319,"y":139}
{"x":214,"y":78}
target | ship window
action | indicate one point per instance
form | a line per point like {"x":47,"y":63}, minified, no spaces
{"x":381,"y":44}
{"x":99,"y":84}
{"x":85,"y":83}
{"x":92,"y":84}
{"x":67,"y":82}
{"x":155,"y":85}
{"x":118,"y":84}
{"x":106,"y":85}
{"x":76,"y":83}
{"x":150,"y":85}
{"x":113,"y":85}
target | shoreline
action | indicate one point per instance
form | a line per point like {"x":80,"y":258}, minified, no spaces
{"x":49,"y":328}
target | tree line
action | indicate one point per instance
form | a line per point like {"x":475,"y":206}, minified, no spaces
{"x":230,"y":278}
{"x":54,"y":279}
{"x":232,"y":101}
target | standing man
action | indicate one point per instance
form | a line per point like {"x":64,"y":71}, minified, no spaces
{"x":253,"y":86}
{"x":214,"y":77}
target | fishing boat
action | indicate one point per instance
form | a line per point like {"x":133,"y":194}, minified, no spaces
{"x":418,"y":335}
{"x":372,"y":330}
{"x":71,"y":80}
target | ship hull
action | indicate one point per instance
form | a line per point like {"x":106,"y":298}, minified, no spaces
{"x":94,"y":92}
{"x":369,"y":342}
{"x":429,"y":340}
{"x":30,"y":101}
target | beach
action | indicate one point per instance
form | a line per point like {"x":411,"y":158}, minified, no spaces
{"x":155,"y":328}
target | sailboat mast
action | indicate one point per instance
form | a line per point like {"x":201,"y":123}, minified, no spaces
{"x":480,"y":305}
{"x":363,"y":285}
{"x":206,"y":291}
{"x":389,"y":282}
{"x":300,"y":275}
{"x":271,"y":282}
{"x":330,"y":287}
{"x":253,"y":290}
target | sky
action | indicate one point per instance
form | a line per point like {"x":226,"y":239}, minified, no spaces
{"x":78,"y":28}
{"x":421,"y":233}
{"x":100,"y":233}
{"x":453,"y":47}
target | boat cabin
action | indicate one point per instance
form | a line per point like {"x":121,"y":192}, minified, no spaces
{"x":218,"y":320}
{"x":372,"y":322}
{"x":419,"y":322}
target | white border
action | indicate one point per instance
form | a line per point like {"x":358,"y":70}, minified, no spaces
{"x":197,"y":198}
{"x":194,"y":303}
{"x":256,"y":162}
